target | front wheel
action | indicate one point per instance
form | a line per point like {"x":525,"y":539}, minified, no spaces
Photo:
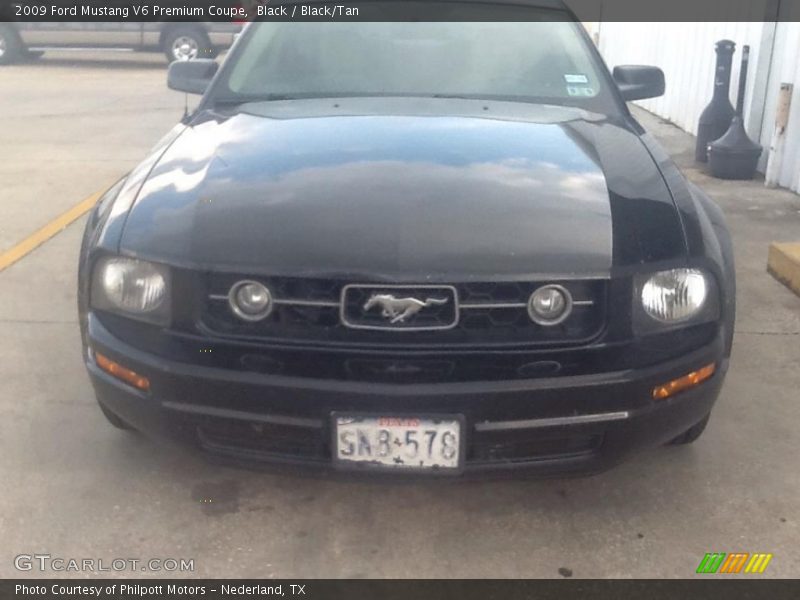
{"x":691,"y":434}
{"x":10,"y":45}
{"x":187,"y":43}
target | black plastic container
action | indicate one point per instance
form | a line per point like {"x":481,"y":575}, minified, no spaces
{"x":716,"y":118}
{"x":735,"y":155}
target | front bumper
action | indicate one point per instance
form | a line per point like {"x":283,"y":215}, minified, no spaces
{"x":555,"y":425}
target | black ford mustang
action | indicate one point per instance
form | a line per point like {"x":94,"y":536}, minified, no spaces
{"x":431,"y":247}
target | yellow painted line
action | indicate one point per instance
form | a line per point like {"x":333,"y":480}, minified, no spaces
{"x":53,"y":228}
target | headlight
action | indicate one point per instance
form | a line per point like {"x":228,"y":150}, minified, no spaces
{"x":676,"y":295}
{"x":135,"y":288}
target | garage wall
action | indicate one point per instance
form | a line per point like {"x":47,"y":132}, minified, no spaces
{"x":784,"y":169}
{"x":685,"y":52}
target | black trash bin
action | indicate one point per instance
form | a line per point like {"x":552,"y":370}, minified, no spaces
{"x":735,"y":155}
{"x":716,"y":117}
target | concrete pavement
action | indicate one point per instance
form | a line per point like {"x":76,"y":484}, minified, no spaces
{"x":73,"y":487}
{"x":68,"y":131}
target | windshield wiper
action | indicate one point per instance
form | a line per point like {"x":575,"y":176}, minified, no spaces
{"x":237,"y":100}
{"x":456,"y":96}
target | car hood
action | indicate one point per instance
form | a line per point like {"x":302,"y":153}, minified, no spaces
{"x":392,"y":189}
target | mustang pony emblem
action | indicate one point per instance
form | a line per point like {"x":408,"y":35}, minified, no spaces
{"x":400,"y":309}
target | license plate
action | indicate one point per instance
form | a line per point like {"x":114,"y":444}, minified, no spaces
{"x":398,"y":443}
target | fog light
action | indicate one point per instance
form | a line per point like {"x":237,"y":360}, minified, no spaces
{"x":550,"y":305}
{"x":117,"y":370}
{"x":250,"y":300}
{"x":683,"y":383}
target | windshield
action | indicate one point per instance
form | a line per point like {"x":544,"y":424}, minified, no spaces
{"x":546,"y":61}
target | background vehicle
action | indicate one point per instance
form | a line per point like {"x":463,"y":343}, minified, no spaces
{"x":177,"y":40}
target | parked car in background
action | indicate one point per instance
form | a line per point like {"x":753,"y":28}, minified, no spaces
{"x":177,"y":40}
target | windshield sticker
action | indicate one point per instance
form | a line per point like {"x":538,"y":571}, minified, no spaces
{"x":583,"y":91}
{"x":576,"y":78}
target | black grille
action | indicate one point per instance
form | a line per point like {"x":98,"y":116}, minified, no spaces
{"x":493,"y":313}
{"x":262,"y":440}
{"x":530,"y":444}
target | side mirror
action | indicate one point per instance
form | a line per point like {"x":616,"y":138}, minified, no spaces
{"x":191,"y":76}
{"x":637,"y":82}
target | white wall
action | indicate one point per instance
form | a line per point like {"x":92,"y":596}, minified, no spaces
{"x":685,"y":52}
{"x":785,"y":68}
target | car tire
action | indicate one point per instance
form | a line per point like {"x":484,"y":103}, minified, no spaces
{"x":691,"y":434}
{"x":114,"y":419}
{"x":187,"y":43}
{"x":10,"y":45}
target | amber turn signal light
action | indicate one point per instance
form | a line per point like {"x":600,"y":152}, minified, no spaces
{"x":117,"y":370}
{"x":683,"y":383}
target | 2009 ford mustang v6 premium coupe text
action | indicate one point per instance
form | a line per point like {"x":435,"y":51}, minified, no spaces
{"x":431,"y":247}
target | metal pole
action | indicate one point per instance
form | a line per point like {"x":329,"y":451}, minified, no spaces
{"x":742,"y":80}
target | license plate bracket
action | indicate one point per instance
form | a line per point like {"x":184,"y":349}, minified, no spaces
{"x":423,"y":424}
